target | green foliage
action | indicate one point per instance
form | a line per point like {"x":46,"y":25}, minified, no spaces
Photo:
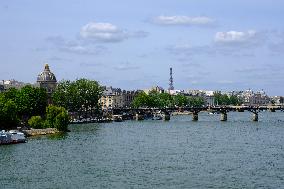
{"x":62,"y":121}
{"x":27,"y":102}
{"x":56,"y":117}
{"x":180,"y":100}
{"x":196,"y":101}
{"x":165,"y":100}
{"x":51,"y":113}
{"x":141,"y":100}
{"x":11,"y":93}
{"x":8,"y":113}
{"x":223,"y":99}
{"x":22,"y":103}
{"x":36,"y":122}
{"x":80,"y":95}
{"x":31,"y":101}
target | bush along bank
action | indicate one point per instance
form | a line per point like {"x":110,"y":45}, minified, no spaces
{"x":55,"y":117}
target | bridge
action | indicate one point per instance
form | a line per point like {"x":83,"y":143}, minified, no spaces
{"x":140,"y":113}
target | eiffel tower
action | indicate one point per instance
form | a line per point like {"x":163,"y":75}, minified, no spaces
{"x":171,"y":84}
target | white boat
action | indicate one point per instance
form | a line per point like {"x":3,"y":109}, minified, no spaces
{"x":117,"y":118}
{"x":12,"y":136}
{"x":5,"y":138}
{"x":17,"y":136}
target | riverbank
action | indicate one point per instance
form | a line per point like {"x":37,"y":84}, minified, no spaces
{"x":35,"y":132}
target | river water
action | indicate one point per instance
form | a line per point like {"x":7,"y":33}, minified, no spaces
{"x":180,"y":153}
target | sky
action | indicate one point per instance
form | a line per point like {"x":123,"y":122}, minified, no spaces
{"x":211,"y":45}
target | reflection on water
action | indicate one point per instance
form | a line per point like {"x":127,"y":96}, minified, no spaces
{"x":58,"y":136}
{"x":180,"y":153}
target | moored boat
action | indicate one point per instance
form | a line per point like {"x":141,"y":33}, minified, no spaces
{"x":12,"y":137}
{"x":17,"y":136}
{"x":117,"y":118}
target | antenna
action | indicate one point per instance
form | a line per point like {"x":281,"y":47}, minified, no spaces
{"x":171,"y":84}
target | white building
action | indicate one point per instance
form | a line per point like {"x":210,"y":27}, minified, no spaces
{"x":252,"y":98}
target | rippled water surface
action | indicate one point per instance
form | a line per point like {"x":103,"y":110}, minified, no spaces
{"x":180,"y":153}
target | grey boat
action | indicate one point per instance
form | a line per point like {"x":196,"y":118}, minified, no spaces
{"x":12,"y":137}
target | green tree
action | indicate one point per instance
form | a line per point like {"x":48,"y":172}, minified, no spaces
{"x":62,"y":121}
{"x":79,"y":96}
{"x":36,"y":122}
{"x":141,"y":100}
{"x":196,"y":101}
{"x":165,"y":100}
{"x":57,"y":117}
{"x":224,"y":99}
{"x":234,"y":100}
{"x":180,"y":100}
{"x":11,"y":93}
{"x":51,"y":113}
{"x":8,"y":113}
{"x":31,"y":101}
{"x":154,"y":100}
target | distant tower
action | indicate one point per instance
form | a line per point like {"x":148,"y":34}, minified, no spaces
{"x":171,"y":84}
{"x":47,"y":80}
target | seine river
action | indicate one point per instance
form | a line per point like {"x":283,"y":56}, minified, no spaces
{"x":180,"y":153}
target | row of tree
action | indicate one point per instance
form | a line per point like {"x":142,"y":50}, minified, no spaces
{"x":55,"y":117}
{"x":224,"y":99}
{"x":165,"y":100}
{"x":18,"y":105}
{"x":78,"y":96}
{"x":28,"y":105}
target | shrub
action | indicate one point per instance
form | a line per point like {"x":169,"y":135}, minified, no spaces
{"x":57,"y":117}
{"x":36,"y":122}
{"x":62,"y":121}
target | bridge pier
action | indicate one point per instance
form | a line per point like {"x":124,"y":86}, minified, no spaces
{"x":224,"y":116}
{"x":272,"y":110}
{"x":166,"y":117}
{"x":255,"y":116}
{"x":194,"y":116}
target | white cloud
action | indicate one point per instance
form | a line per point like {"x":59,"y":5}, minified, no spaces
{"x":183,"y":20}
{"x":126,"y":66}
{"x":230,"y":43}
{"x":107,"y":32}
{"x":75,"y":47}
{"x":235,"y":36}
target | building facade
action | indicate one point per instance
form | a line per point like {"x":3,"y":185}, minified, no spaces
{"x":116,"y":98}
{"x":251,"y":98}
{"x":155,"y":88}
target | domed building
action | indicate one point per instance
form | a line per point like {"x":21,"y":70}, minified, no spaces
{"x":47,"y":80}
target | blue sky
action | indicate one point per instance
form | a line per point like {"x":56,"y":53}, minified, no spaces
{"x":211,"y":45}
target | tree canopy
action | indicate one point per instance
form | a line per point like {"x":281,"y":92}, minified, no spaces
{"x":56,"y":117}
{"x":21,"y":104}
{"x":165,"y":100}
{"x":31,"y":101}
{"x":77,"y":96}
{"x":8,"y":113}
{"x":224,"y":99}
